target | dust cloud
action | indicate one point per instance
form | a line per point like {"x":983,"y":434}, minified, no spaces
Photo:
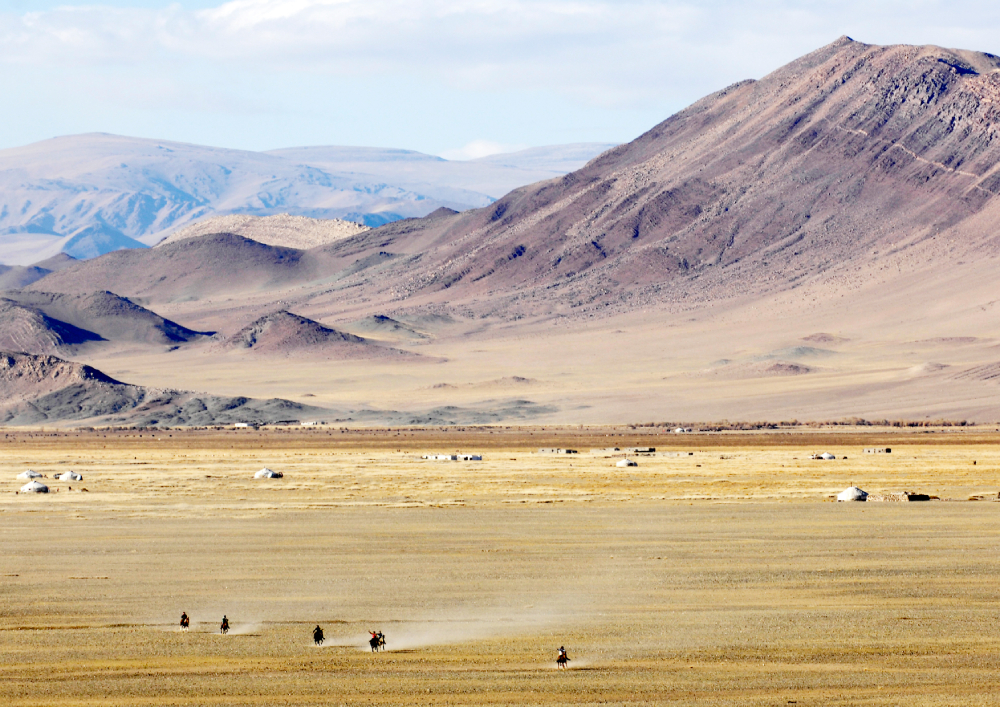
{"x":464,"y":625}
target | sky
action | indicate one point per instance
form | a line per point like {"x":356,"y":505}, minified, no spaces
{"x":458,"y":78}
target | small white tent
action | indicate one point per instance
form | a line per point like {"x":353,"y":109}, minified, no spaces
{"x":852,"y":494}
{"x":266,"y":473}
{"x":28,"y":475}
{"x":626,"y":462}
{"x":69,"y":476}
{"x":34,"y":487}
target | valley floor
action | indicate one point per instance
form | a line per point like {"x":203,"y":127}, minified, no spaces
{"x":723,"y":576}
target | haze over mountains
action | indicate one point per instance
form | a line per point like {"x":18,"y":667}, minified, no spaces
{"x":818,"y":244}
{"x":90,"y":194}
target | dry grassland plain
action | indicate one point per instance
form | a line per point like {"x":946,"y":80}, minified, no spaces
{"x":723,"y":577}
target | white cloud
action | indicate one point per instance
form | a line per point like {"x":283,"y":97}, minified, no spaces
{"x":595,"y":52}
{"x":480,"y":148}
{"x":595,"y":60}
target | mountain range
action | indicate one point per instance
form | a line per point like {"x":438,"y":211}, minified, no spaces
{"x":816,"y":244}
{"x":87,"y":195}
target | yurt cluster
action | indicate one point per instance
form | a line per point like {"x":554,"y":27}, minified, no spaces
{"x":33,"y":484}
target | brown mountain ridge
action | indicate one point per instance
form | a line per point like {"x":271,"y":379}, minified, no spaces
{"x":851,"y":192}
{"x":282,"y":333}
{"x":849,"y":149}
{"x":44,"y":322}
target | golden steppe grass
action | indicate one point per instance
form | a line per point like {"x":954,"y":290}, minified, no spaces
{"x":724,"y":577}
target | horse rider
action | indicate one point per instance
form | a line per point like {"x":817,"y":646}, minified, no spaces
{"x":185,"y":621}
{"x":225,"y":624}
{"x":318,"y":635}
{"x":563,"y":658}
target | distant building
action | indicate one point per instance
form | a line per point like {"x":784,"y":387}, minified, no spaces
{"x":550,"y":450}
{"x":453,"y":457}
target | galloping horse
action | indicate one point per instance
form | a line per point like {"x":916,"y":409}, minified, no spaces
{"x":185,"y":621}
{"x":225,"y":625}
{"x":318,"y":636}
{"x":377,"y":641}
{"x":562,"y":659}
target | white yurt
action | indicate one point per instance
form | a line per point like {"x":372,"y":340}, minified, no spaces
{"x":28,"y":475}
{"x":34,"y":487}
{"x":824,"y":455}
{"x":266,"y":473}
{"x":626,"y":462}
{"x":852,"y":494}
{"x":69,"y":476}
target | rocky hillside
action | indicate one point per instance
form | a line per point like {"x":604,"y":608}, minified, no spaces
{"x":279,"y":230}
{"x":192,"y":268}
{"x":39,"y":389}
{"x":45,"y":322}
{"x":850,"y":153}
{"x":285,"y":334}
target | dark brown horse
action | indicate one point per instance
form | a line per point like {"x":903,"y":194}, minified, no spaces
{"x":377,"y":641}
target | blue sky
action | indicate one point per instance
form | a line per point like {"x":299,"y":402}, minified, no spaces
{"x":459,"y":78}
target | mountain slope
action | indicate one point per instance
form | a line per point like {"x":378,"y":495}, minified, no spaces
{"x":851,"y":150}
{"x":31,"y":330}
{"x":96,"y":193}
{"x":280,"y":230}
{"x":17,"y":276}
{"x":47,"y":321}
{"x":187,"y":269}
{"x":36,"y":389}
{"x":60,"y":261}
{"x":285,"y":334}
